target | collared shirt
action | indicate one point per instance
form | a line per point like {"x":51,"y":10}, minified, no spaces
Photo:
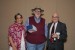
{"x":15,"y":32}
{"x":55,"y":26}
{"x":37,"y":20}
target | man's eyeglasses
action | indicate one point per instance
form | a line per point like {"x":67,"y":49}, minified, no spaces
{"x":55,"y":17}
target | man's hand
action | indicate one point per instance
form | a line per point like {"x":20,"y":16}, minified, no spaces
{"x":30,"y":31}
{"x":55,"y":35}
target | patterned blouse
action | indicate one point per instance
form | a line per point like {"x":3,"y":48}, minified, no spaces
{"x":15,"y":31}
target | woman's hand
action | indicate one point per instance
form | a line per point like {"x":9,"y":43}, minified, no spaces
{"x":14,"y":48}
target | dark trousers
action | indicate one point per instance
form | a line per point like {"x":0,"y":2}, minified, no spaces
{"x":51,"y":46}
{"x":54,"y":46}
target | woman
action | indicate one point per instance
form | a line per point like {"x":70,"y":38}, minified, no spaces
{"x":16,"y":34}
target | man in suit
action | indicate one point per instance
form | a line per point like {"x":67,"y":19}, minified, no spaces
{"x":57,"y":34}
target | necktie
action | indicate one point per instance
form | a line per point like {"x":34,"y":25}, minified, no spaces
{"x":52,"y":32}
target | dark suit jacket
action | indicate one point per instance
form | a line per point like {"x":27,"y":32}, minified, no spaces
{"x":61,"y":28}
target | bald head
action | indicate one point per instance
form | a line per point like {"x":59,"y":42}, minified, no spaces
{"x":55,"y":17}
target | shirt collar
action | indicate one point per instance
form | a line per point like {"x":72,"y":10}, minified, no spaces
{"x":37,"y":18}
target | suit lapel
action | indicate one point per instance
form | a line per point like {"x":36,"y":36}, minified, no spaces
{"x":49,"y":25}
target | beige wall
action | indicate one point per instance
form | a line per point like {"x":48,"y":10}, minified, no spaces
{"x":66,"y":9}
